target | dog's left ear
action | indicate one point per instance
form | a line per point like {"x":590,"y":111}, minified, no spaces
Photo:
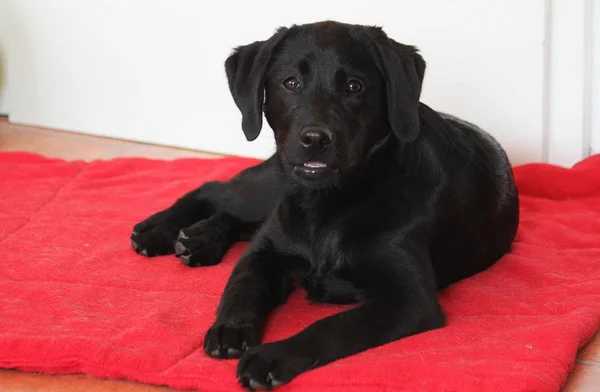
{"x":403,"y":69}
{"x":246,"y":70}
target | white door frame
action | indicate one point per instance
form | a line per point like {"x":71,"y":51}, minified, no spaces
{"x":572,"y":73}
{"x":3,"y":65}
{"x":595,"y":83}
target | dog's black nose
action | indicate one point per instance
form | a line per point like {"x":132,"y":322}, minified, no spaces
{"x":315,"y":137}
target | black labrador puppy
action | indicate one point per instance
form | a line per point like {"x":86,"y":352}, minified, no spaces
{"x":372,"y":197}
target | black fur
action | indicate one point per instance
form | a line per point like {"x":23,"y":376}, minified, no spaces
{"x":397,"y":201}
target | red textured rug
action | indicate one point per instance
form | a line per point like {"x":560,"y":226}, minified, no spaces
{"x":74,"y":297}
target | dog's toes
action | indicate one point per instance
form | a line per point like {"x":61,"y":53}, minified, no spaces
{"x":138,"y":248}
{"x":256,"y":385}
{"x":134,"y":244}
{"x":234,"y":352}
{"x":154,"y":236}
{"x":230,"y":341}
{"x":274,"y":364}
{"x":154,"y":242}
{"x":180,"y":249}
{"x":199,"y":251}
{"x":185,"y":259}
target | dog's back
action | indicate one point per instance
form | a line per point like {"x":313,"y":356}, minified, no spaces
{"x":481,"y":214}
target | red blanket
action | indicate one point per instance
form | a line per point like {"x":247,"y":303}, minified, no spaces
{"x":74,"y":297}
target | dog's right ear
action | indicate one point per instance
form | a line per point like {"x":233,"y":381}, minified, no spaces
{"x":246,"y":70}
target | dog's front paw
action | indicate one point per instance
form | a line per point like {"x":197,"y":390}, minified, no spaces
{"x":202,"y":244}
{"x":229,"y":340}
{"x":270,"y":365}
{"x":154,"y":236}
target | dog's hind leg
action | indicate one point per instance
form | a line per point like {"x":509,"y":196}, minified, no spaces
{"x":202,"y":225}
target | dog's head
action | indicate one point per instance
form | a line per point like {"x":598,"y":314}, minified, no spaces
{"x":331,"y":92}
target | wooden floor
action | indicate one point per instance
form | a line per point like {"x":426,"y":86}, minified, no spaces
{"x":585,"y":376}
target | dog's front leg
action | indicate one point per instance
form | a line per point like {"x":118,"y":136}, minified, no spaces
{"x":200,"y":226}
{"x":259,"y":282}
{"x":397,"y":305}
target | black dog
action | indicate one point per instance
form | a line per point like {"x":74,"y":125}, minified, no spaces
{"x":372,"y":197}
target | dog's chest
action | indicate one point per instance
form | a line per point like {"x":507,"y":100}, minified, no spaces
{"x":323,"y":244}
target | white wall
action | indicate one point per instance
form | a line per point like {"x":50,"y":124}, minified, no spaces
{"x":152,"y":70}
{"x":3,"y":66}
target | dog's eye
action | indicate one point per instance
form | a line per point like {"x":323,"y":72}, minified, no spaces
{"x":354,"y":86}
{"x":291,"y":84}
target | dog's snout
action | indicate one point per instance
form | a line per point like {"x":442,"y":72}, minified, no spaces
{"x":315,"y":137}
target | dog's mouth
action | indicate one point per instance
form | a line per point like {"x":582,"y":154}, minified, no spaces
{"x":314,"y":171}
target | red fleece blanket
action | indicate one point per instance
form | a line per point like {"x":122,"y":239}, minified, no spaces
{"x":74,"y":297}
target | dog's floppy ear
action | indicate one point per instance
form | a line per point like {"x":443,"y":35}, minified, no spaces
{"x":246,"y":69}
{"x":403,"y":69}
